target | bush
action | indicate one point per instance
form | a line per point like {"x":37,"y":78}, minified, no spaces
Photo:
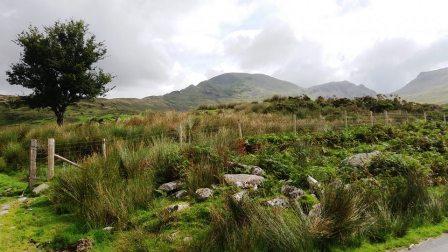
{"x":106,"y":192}
{"x":14,"y":156}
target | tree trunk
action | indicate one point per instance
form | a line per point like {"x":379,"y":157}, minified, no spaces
{"x":59,"y":116}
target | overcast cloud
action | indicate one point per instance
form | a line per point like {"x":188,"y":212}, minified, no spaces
{"x":159,"y":46}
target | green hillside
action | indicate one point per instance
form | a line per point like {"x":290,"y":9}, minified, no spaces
{"x":431,"y":87}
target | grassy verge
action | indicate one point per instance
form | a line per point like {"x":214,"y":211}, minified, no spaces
{"x":413,"y":236}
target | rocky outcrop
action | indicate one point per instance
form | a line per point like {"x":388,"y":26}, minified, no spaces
{"x":237,"y":197}
{"x":180,"y":194}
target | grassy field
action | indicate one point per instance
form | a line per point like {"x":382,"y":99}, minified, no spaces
{"x":393,"y":198}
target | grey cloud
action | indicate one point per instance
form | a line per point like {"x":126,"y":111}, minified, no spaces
{"x":132,"y":31}
{"x":390,"y":64}
{"x":277,"y":48}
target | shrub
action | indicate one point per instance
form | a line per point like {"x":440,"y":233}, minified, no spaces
{"x":106,"y":192}
{"x":14,"y":156}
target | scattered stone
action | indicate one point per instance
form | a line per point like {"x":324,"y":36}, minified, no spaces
{"x":6,"y":207}
{"x":84,"y":245}
{"x":203,"y":193}
{"x":239,"y":195}
{"x":177,"y":207}
{"x":361,"y":159}
{"x":292,"y":192}
{"x":188,"y":239}
{"x":244,"y":181}
{"x":257,"y":171}
{"x":22,"y":199}
{"x":411,"y":246}
{"x":41,"y":189}
{"x":277,"y":202}
{"x":108,"y":229}
{"x":4,"y":212}
{"x":314,"y":184}
{"x":315,"y":211}
{"x":180,"y":194}
{"x":170,"y":186}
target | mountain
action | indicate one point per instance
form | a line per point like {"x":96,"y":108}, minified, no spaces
{"x":340,"y":89}
{"x":228,"y":87}
{"x":428,"y":87}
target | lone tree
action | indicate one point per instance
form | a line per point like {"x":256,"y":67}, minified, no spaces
{"x":57,"y":64}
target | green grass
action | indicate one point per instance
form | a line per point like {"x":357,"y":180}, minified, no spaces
{"x":413,"y":236}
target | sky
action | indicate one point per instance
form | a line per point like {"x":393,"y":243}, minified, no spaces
{"x":158,"y":46}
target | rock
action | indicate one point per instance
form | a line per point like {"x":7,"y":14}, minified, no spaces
{"x":180,"y":194}
{"x":237,"y":197}
{"x":108,"y":229}
{"x":84,"y":245}
{"x":315,"y":211}
{"x":188,"y":239}
{"x":361,"y":159}
{"x":314,"y":184}
{"x":6,"y":207}
{"x":22,"y":199}
{"x":177,"y":207}
{"x":203,"y":193}
{"x":257,"y":171}
{"x":411,"y":246}
{"x":292,"y":192}
{"x":41,"y":189}
{"x":170,"y":186}
{"x":244,"y":181}
{"x":4,"y":212}
{"x":277,"y":202}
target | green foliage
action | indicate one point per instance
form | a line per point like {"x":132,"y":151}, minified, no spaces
{"x":58,"y":65}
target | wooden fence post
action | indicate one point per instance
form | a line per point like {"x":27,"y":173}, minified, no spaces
{"x":407,"y":117}
{"x":33,"y":167}
{"x":371,"y":118}
{"x":386,"y":118}
{"x":424,"y":116}
{"x":181,"y":134}
{"x":345,"y":118}
{"x":103,"y":148}
{"x":240,"y":130}
{"x":295,"y":123}
{"x":50,"y":158}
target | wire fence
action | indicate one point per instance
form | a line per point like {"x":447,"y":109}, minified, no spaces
{"x":76,"y":151}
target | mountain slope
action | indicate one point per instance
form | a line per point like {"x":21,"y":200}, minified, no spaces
{"x":340,"y":89}
{"x":430,"y":87}
{"x":229,"y":87}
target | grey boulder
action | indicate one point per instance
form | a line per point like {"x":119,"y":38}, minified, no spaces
{"x":203,"y":193}
{"x":361,"y":159}
{"x":244,"y":181}
{"x":277,"y":202}
{"x":292,"y":192}
{"x":41,"y":189}
{"x":170,"y":186}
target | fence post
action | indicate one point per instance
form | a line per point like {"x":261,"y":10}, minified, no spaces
{"x":386,"y":118}
{"x":407,"y":117}
{"x":295,"y":123}
{"x":33,"y":168}
{"x":371,"y":118}
{"x":103,"y":148}
{"x":50,"y":158}
{"x":345,"y":118}
{"x":240,"y":130}
{"x":181,"y":133}
{"x":424,"y":116}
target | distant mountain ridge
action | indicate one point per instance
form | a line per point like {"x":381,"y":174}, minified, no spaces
{"x":340,"y":89}
{"x":229,"y":87}
{"x":428,"y":87}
